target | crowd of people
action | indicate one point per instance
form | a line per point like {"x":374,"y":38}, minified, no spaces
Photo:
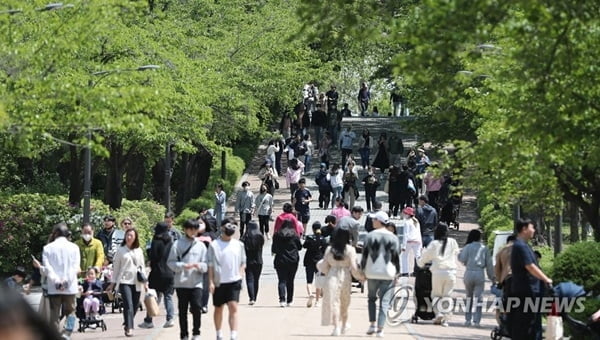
{"x":203,"y":258}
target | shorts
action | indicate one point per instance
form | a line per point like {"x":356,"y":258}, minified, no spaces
{"x":227,"y":292}
{"x":311,"y":270}
{"x":303,"y":218}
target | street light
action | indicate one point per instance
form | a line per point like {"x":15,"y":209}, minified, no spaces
{"x":87,"y":176}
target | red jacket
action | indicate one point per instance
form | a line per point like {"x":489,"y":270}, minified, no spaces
{"x":288,"y":216}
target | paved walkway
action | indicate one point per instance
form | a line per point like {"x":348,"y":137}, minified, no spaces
{"x":267,"y":320}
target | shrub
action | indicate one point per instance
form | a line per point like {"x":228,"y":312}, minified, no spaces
{"x":547,"y":261}
{"x":26,"y":221}
{"x":185,"y":215}
{"x":579,"y":263}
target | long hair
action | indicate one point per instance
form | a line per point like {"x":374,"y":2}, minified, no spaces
{"x":441,"y":234}
{"x":474,"y":236}
{"x":287,"y":230}
{"x":339,"y":241}
{"x":253,"y":239}
{"x":136,"y":240}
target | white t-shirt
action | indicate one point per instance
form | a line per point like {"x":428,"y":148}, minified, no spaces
{"x":230,"y":261}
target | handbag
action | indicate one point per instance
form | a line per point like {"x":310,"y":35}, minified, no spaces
{"x":411,"y":186}
{"x":140,"y":275}
{"x":276,"y":183}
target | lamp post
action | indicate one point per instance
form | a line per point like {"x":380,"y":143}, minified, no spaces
{"x":167,"y":183}
{"x":87,"y":178}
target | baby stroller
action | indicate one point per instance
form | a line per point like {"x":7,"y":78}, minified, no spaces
{"x":579,"y":329}
{"x":503,"y":329}
{"x":422,"y":293}
{"x":91,"y":322}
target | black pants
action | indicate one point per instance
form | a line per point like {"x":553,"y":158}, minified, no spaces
{"x":205,"y":291}
{"x":189,"y":298}
{"x":244,"y":219}
{"x":293,"y":188}
{"x":524,"y":325}
{"x":131,"y":302}
{"x":252,"y":278}
{"x":370,"y":198}
{"x":263,"y":222}
{"x":394,"y":207}
{"x":285,"y":276}
{"x":324,"y":197}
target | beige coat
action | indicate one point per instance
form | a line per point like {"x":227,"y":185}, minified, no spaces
{"x":338,"y":286}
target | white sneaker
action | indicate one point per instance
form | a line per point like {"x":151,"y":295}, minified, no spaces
{"x":146,"y":325}
{"x":345,"y":328}
{"x":336,"y":332}
{"x":251,"y":303}
{"x":169,"y":323}
{"x":316,"y":303}
{"x":196,"y":337}
{"x":445,"y":323}
{"x":309,"y":303}
{"x":289,"y":304}
{"x":372,"y":329}
{"x":282,"y":304}
{"x":379,"y":333}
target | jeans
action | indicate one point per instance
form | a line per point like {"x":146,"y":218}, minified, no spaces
{"x":307,"y":162}
{"x":263,"y":222}
{"x":365,"y":154}
{"x":364,"y":106}
{"x":426,"y":240}
{"x":168,"y":295}
{"x":382,"y":289}
{"x":252,"y":278}
{"x":205,"y":292}
{"x":189,"y":298}
{"x":336,"y":192}
{"x":474,"y":281}
{"x":131,"y":302}
{"x":285,"y":275}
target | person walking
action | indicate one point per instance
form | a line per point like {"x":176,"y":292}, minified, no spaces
{"x":161,"y":276}
{"x":286,"y":245}
{"x":293,"y":174}
{"x":90,"y":249}
{"x":339,"y":264}
{"x":350,"y":188}
{"x":370,"y":183}
{"x":441,"y":252}
{"x":527,"y":279}
{"x":428,"y":220}
{"x":302,"y":198}
{"x":254,"y":241}
{"x":226,"y":263}
{"x":477,"y":259}
{"x":315,"y":245}
{"x":322,"y":180}
{"x":272,"y":149}
{"x":380,"y":262}
{"x":382,"y":160}
{"x":309,"y":150}
{"x":220,"y":203}
{"x":340,"y":209}
{"x":244,"y":205}
{"x":346,"y":143}
{"x":364,"y":96}
{"x":61,"y":261}
{"x":364,"y":148}
{"x":325,"y":148}
{"x":111,"y":237}
{"x":336,"y":180}
{"x":288,"y":214}
{"x":264,"y":209}
{"x":188,"y":260}
{"x":413,"y":239}
{"x":128,"y":261}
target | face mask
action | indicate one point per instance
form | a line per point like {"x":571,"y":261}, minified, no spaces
{"x":229,"y":232}
{"x":86,"y":237}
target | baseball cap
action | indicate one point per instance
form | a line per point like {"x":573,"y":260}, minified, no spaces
{"x":381,"y":216}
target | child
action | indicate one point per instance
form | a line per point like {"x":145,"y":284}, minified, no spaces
{"x":92,"y":289}
{"x":315,"y":245}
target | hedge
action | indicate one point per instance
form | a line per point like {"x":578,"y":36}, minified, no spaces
{"x":26,"y":221}
{"x":579,"y":263}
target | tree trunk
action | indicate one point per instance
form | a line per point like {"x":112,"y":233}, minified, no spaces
{"x":75,"y":183}
{"x":158,"y":181}
{"x":113,"y":194}
{"x":194,"y":171}
{"x":136,"y":175}
{"x":574,"y":220}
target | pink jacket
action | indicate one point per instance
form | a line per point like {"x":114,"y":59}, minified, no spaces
{"x":433,"y":183}
{"x":288,"y":216}
{"x":340,"y":212}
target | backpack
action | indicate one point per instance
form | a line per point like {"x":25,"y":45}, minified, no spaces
{"x":322,"y":181}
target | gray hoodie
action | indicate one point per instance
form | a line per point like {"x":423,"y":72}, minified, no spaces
{"x":193,"y":277}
